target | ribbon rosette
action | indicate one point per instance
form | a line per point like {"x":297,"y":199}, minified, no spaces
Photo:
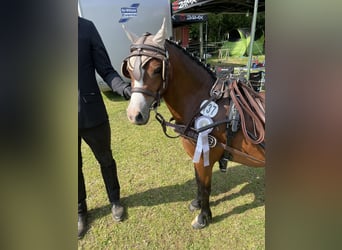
{"x":202,"y":140}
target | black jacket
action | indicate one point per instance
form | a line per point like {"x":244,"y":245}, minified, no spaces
{"x":92,"y":55}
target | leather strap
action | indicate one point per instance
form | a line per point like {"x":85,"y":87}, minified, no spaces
{"x":249,"y":107}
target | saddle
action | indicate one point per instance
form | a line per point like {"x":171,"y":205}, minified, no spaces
{"x":247,"y":107}
{"x":247,"y":110}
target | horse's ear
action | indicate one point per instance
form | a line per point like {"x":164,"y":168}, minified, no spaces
{"x":160,"y":37}
{"x":131,"y":36}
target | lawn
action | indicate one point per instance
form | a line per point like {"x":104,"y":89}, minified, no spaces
{"x":235,"y":61}
{"x":157,"y":185}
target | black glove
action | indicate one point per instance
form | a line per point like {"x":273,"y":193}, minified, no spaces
{"x":127,"y":92}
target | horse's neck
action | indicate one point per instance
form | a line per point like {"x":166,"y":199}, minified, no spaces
{"x":188,"y":85}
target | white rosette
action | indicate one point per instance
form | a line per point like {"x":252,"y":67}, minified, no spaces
{"x":202,"y":140}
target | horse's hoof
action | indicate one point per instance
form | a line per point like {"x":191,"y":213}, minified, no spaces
{"x":198,"y":225}
{"x":194,"y":205}
{"x":193,"y":208}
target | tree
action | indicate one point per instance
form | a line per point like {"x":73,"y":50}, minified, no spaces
{"x":220,"y":24}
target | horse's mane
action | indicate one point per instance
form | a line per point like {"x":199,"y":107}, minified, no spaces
{"x":192,"y":57}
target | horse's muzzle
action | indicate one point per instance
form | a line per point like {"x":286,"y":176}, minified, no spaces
{"x":138,"y":118}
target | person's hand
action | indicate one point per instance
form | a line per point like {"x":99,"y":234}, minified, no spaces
{"x":127,"y":92}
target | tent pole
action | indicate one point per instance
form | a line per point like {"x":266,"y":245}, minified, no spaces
{"x":252,"y":38}
{"x":206,"y":42}
{"x":201,"y":39}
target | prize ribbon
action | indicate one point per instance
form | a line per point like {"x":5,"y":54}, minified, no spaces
{"x":202,"y":140}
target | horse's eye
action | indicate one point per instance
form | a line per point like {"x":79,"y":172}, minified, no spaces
{"x":157,"y":70}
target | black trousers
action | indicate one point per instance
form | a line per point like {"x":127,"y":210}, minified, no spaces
{"x":98,"y":139}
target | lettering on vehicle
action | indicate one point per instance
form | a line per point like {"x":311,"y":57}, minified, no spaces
{"x":189,"y":18}
{"x":129,"y":12}
{"x":186,"y":3}
{"x":195,"y":17}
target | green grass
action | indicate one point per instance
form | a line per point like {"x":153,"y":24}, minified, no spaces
{"x":157,"y":185}
{"x":235,"y":61}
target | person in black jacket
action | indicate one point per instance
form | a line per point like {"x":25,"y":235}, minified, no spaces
{"x":93,"y":123}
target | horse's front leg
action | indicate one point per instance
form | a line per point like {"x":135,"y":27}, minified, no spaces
{"x":203,"y":180}
{"x":196,"y":203}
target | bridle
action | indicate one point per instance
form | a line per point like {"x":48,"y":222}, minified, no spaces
{"x":139,"y":48}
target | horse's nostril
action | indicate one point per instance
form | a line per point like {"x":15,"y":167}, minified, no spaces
{"x":139,"y":117}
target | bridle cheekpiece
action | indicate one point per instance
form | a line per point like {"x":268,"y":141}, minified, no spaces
{"x":144,"y":50}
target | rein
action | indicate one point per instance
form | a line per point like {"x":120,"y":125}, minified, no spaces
{"x":182,"y":129}
{"x":193,"y":133}
{"x":254,"y":107}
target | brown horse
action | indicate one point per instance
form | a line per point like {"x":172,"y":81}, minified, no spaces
{"x":200,"y":107}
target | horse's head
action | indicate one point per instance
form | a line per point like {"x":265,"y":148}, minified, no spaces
{"x":146,"y":66}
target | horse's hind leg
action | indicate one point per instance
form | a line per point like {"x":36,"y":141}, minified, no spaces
{"x":203,"y":179}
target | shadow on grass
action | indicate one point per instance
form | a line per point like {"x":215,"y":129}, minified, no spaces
{"x":255,"y":185}
{"x":221,"y":183}
{"x":113,"y":96}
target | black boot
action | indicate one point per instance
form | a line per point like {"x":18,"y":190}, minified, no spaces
{"x":82,"y":225}
{"x":82,"y":219}
{"x":117,"y":211}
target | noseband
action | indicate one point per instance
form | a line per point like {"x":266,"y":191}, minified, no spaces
{"x":142,"y":48}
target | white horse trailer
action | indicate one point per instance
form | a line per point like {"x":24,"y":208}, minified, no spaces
{"x":139,"y":16}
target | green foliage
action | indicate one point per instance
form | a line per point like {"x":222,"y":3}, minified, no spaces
{"x":157,"y":185}
{"x":220,"y":24}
